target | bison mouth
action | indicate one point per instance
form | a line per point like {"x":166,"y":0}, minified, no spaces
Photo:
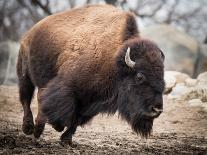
{"x":142,"y":126}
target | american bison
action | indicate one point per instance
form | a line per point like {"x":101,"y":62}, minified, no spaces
{"x":87,"y":61}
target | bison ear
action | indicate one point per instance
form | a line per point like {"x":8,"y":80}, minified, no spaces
{"x":128,"y":60}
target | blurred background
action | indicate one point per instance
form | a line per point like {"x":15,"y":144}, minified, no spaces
{"x":177,"y":26}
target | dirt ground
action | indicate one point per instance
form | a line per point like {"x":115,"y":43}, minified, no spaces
{"x":179,"y":130}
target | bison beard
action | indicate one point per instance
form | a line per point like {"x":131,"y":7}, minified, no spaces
{"x":139,"y":124}
{"x":142,"y":126}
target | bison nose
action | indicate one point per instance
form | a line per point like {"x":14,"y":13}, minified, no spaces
{"x":155,"y":111}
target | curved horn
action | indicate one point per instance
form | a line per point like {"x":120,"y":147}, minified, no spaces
{"x":128,"y":60}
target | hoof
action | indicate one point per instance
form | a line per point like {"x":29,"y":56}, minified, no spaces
{"x":68,"y":143}
{"x":58,"y":128}
{"x":28,"y":127}
{"x":38,"y":130}
{"x":65,"y":141}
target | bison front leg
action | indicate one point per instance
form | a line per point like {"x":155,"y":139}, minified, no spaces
{"x":40,"y":119}
{"x":66,"y":137}
{"x":58,"y":104}
{"x":58,"y":127}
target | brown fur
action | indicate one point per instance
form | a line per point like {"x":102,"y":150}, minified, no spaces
{"x":76,"y":34}
{"x":76,"y":60}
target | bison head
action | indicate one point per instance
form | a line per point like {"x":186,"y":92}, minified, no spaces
{"x":141,"y":84}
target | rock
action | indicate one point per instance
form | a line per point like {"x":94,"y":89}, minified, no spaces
{"x":201,"y":61}
{"x":170,"y":82}
{"x":180,"y":77}
{"x":191,"y":82}
{"x":198,"y":103}
{"x":198,"y":88}
{"x":197,"y":93}
{"x":204,"y":107}
{"x":179,"y":48}
{"x":179,"y":90}
{"x":202,"y":79}
{"x":8,"y":58}
{"x":172,"y":78}
{"x":195,"y":103}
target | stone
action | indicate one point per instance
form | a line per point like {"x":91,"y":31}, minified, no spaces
{"x":172,"y":78}
{"x":197,"y":93}
{"x":202,"y":79}
{"x":191,"y":82}
{"x":179,"y":90}
{"x":204,"y":106}
{"x":170,"y":82}
{"x":198,"y":103}
{"x":180,"y":77}
{"x":195,"y":103}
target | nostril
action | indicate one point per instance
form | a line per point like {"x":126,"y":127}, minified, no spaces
{"x":154,"y":112}
{"x":157,"y":110}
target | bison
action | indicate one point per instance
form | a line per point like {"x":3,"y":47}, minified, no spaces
{"x":87,"y":61}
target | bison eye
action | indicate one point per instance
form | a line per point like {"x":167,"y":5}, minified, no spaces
{"x":140,"y":78}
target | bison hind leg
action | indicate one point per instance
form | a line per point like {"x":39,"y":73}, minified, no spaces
{"x":26,"y":90}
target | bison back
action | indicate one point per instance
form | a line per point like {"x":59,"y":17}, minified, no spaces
{"x":79,"y":40}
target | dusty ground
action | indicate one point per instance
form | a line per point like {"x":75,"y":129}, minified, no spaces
{"x":179,"y":130}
